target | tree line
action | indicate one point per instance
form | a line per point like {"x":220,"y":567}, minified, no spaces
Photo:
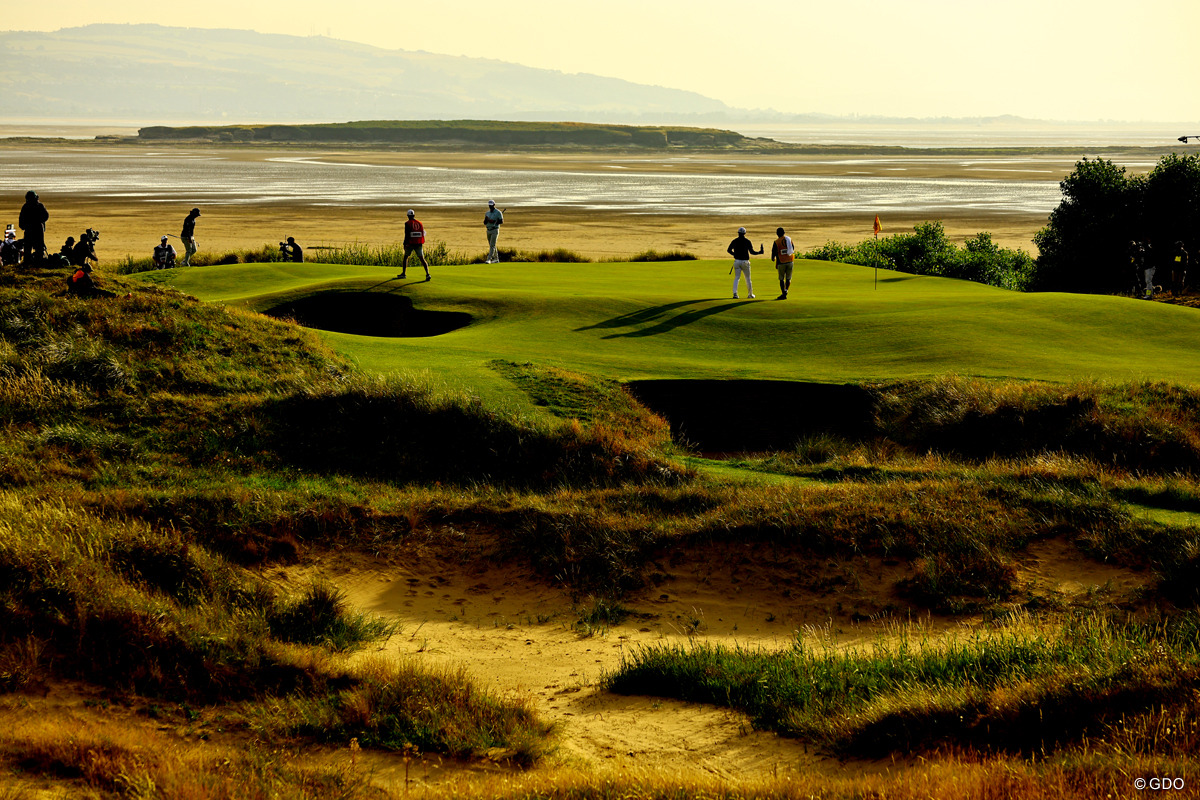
{"x":1085,"y":247}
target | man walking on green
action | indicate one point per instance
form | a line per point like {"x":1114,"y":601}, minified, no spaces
{"x":783,"y":253}
{"x":492,"y":221}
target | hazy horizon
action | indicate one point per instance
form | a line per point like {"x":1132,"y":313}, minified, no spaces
{"x":923,"y":59}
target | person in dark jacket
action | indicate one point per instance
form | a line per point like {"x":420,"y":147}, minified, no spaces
{"x":741,"y":249}
{"x":85,"y":250}
{"x":33,"y":223}
{"x":1179,"y":266}
{"x":291,"y":251}
{"x":188,"y":236}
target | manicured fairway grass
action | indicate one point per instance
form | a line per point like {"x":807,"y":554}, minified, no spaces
{"x":678,"y":320}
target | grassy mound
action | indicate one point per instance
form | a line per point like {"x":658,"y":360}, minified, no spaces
{"x":156,"y":445}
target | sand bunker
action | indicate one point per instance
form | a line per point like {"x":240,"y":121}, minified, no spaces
{"x":709,"y":415}
{"x":369,"y":314}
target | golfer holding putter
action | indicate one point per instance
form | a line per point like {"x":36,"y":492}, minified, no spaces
{"x":741,"y":249}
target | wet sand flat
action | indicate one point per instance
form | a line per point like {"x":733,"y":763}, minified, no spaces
{"x":132,"y":225}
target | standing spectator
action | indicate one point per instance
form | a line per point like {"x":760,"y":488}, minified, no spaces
{"x":1149,"y":267}
{"x":492,"y":221}
{"x":1179,"y":265}
{"x":188,"y":236}
{"x":783,"y":253}
{"x":414,"y":242}
{"x":1137,"y":263}
{"x":33,"y":223}
{"x":741,"y":249}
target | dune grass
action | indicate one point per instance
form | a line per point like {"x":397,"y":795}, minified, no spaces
{"x":1012,"y":689}
{"x":157,"y":446}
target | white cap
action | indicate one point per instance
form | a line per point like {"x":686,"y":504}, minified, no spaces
{"x":164,"y":238}
{"x":412,"y":213}
{"x":741,"y":230}
{"x":492,"y":203}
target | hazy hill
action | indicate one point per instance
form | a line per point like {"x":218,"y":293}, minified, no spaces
{"x":152,"y":72}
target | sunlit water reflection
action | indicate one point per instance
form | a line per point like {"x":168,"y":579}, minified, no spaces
{"x":205,"y":178}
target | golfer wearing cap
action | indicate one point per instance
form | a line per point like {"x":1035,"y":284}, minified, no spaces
{"x":414,"y":241}
{"x":164,"y":255}
{"x":741,"y":249}
{"x":492,"y":221}
{"x":783,"y":253}
{"x":189,"y":236}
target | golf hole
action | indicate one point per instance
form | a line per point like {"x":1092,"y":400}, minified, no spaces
{"x":369,"y":314}
{"x":748,"y":416}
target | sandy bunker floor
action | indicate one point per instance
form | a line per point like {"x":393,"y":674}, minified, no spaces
{"x":521,"y":638}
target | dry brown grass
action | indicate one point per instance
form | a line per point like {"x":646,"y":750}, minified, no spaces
{"x":89,"y":754}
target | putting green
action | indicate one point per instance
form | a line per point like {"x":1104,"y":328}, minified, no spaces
{"x":677,"y":320}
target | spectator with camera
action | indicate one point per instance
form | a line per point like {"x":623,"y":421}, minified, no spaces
{"x":291,"y":251}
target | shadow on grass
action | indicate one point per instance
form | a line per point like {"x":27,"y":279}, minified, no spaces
{"x":661,"y":312}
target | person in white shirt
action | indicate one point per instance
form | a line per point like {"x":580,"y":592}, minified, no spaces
{"x":492,"y":221}
{"x":164,"y":255}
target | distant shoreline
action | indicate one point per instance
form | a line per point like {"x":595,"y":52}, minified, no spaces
{"x":1112,"y":152}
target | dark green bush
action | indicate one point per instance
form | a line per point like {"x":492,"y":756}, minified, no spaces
{"x":927,"y":251}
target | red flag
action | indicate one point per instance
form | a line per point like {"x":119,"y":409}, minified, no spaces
{"x":878,"y":227}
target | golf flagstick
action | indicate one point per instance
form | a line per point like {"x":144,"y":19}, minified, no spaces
{"x":878,"y":228}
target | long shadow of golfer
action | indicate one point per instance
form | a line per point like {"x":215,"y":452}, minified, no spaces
{"x":398,"y":287}
{"x":639,"y":317}
{"x":385,"y":283}
{"x":678,"y":321}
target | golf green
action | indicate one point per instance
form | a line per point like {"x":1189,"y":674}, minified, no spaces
{"x":678,"y":320}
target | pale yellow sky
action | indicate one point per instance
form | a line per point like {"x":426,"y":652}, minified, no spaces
{"x":1049,"y":59}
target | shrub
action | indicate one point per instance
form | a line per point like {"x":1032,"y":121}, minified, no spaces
{"x":320,"y":617}
{"x":669,"y":255}
{"x":927,"y":251}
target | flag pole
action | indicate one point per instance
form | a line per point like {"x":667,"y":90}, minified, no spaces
{"x":878,"y":228}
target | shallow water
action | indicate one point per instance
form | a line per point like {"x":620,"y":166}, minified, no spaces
{"x":211,"y":178}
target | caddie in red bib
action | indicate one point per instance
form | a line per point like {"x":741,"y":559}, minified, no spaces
{"x":414,"y":242}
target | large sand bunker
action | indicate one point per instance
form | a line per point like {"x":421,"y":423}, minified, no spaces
{"x":751,"y":415}
{"x":369,"y":314}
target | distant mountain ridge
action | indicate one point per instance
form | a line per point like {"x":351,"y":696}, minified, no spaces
{"x":166,"y":73}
